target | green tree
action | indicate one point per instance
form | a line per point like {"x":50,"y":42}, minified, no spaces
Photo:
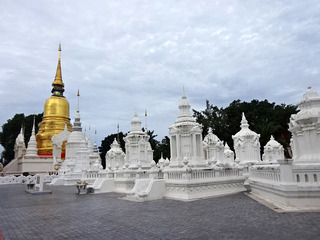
{"x":164,"y":148}
{"x":10,"y":131}
{"x":264,"y":118}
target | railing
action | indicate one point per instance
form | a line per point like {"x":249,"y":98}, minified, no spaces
{"x":200,"y":174}
{"x":11,"y":179}
{"x":160,"y":175}
{"x":96,"y":175}
{"x":18,"y":173}
{"x":267,"y":174}
{"x":174,"y":175}
{"x":300,"y":175}
{"x":203,"y":174}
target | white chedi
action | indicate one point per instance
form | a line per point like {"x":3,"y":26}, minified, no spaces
{"x":115,"y":156}
{"x":139,"y":153}
{"x":32,"y":150}
{"x":19,"y":146}
{"x":74,"y":141}
{"x":213,"y":148}
{"x":82,"y":161}
{"x":246,"y":144}
{"x":273,"y":151}
{"x":186,"y":138}
{"x":228,"y":156}
{"x":305,"y":127}
{"x":95,"y":159}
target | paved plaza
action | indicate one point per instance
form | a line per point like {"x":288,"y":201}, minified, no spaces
{"x":66,"y":215}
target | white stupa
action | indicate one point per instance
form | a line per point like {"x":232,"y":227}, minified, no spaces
{"x":228,"y":155}
{"x":95,"y":159}
{"x":186,"y":138}
{"x":304,"y":127}
{"x":115,"y":157}
{"x":75,"y":139}
{"x":138,"y":149}
{"x":32,"y":150}
{"x":273,"y":151}
{"x":213,"y":148}
{"x":246,"y":144}
{"x":19,"y":146}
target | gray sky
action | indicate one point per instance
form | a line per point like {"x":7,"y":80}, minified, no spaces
{"x":132,"y":54}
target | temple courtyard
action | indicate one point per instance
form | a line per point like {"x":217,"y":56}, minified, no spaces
{"x":67,"y":215}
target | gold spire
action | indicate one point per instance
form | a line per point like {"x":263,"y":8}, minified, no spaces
{"x":58,"y":78}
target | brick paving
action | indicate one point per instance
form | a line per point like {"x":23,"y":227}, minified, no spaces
{"x":66,"y":215}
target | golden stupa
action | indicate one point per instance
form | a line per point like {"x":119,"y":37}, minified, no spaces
{"x":55,"y":116}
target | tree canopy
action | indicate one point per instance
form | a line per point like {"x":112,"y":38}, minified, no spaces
{"x":264,"y":118}
{"x":10,"y":131}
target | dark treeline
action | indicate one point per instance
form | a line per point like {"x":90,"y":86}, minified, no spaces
{"x":10,"y":131}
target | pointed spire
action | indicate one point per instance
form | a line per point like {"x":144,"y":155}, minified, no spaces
{"x":244,"y":122}
{"x":21,"y":130}
{"x":32,"y":150}
{"x":78,"y":95}
{"x":57,"y":84}
{"x":118,"y":135}
{"x":33,"y":127}
{"x":146,"y":127}
{"x":58,"y":78}
{"x":226,"y":146}
{"x":95,"y":146}
{"x":135,"y":123}
{"x":77,"y":121}
{"x":184,"y":107}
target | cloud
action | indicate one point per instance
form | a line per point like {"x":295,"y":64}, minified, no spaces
{"x":127,"y":55}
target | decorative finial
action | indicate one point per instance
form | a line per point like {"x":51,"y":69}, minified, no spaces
{"x":59,"y":50}
{"x":118,"y":136}
{"x":34,"y":123}
{"x":145,"y":114}
{"x":244,"y":122}
{"x":57,"y":84}
{"x":78,"y":95}
{"x":183,"y":93}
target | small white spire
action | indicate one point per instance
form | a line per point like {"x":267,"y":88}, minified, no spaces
{"x":78,"y":95}
{"x":145,"y":114}
{"x":244,"y":122}
{"x":34,"y":124}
